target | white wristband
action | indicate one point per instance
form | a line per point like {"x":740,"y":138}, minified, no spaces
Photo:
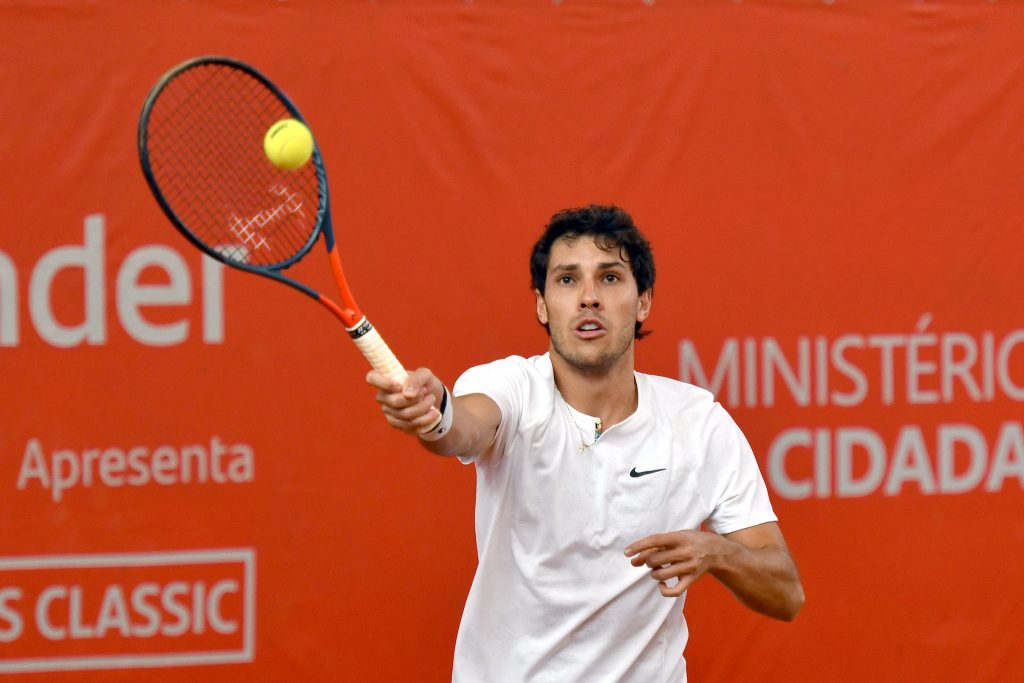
{"x":445,"y":423}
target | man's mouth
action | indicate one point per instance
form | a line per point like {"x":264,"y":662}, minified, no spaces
{"x":589,"y":329}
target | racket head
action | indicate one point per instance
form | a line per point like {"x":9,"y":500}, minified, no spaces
{"x":200,"y":141}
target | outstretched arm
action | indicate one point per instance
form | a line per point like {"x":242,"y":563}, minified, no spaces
{"x":415,"y":406}
{"x":753,"y":563}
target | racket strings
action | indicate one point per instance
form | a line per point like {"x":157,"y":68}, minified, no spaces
{"x":205,"y":145}
{"x":245,"y":232}
{"x":251,"y":234}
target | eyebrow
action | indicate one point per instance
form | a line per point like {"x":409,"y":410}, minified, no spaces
{"x":604,"y":265}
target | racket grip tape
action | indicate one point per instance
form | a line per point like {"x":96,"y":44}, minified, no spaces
{"x":376,"y":350}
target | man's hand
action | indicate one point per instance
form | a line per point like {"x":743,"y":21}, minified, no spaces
{"x":753,"y":563}
{"x":412,"y":407}
{"x":685,"y":555}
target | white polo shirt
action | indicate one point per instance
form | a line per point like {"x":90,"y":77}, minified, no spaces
{"x":554,"y":598}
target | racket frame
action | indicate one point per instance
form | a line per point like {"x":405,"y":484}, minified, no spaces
{"x":362,"y":332}
{"x":350,"y":315}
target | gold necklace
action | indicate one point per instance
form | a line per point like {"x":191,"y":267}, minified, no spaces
{"x":583,"y":439}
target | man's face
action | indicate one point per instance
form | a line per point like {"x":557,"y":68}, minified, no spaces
{"x":590,"y":304}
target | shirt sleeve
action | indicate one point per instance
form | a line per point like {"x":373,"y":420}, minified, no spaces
{"x":731,"y":480}
{"x":504,"y":382}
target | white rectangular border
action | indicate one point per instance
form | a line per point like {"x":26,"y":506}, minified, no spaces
{"x":245,"y":556}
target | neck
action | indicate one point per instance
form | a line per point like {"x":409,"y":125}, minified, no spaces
{"x":609,"y":393}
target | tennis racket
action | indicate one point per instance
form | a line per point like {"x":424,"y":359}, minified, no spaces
{"x":201,"y":147}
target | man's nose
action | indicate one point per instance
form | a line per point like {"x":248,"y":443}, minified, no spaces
{"x":588,"y":297}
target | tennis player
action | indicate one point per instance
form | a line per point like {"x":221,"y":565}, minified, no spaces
{"x":594,"y":481}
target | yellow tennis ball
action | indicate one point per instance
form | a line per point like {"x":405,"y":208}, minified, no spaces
{"x":288,"y":144}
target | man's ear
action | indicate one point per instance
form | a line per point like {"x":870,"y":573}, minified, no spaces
{"x":643,"y":305}
{"x":542,"y":308}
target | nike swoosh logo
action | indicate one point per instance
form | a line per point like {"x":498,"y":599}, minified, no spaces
{"x":634,"y":473}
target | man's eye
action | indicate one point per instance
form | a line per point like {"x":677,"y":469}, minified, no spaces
{"x":611,"y":277}
{"x":565,"y":279}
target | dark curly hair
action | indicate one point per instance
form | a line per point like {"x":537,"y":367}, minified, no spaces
{"x":611,"y":228}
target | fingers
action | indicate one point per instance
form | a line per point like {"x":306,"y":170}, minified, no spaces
{"x":659,"y":557}
{"x":669,"y":556}
{"x":655,"y":541}
{"x":399,"y":407}
{"x":392,"y":402}
{"x":686,"y":574}
{"x":412,"y":418}
{"x":661,"y":549}
{"x":679,"y":588}
{"x":642,"y":557}
{"x":677,"y":570}
{"x":419,"y":380}
{"x":376,"y":379}
{"x":412,"y":406}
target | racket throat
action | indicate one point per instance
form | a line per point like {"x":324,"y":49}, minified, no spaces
{"x":345,"y":315}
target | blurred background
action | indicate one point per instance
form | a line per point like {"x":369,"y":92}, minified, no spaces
{"x":195,"y":483}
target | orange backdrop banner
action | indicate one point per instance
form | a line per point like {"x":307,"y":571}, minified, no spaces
{"x":195,"y":480}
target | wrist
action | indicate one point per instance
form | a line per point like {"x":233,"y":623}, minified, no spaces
{"x":444,"y":422}
{"x":723,"y":553}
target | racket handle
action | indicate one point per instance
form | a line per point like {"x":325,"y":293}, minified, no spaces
{"x":376,"y":350}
